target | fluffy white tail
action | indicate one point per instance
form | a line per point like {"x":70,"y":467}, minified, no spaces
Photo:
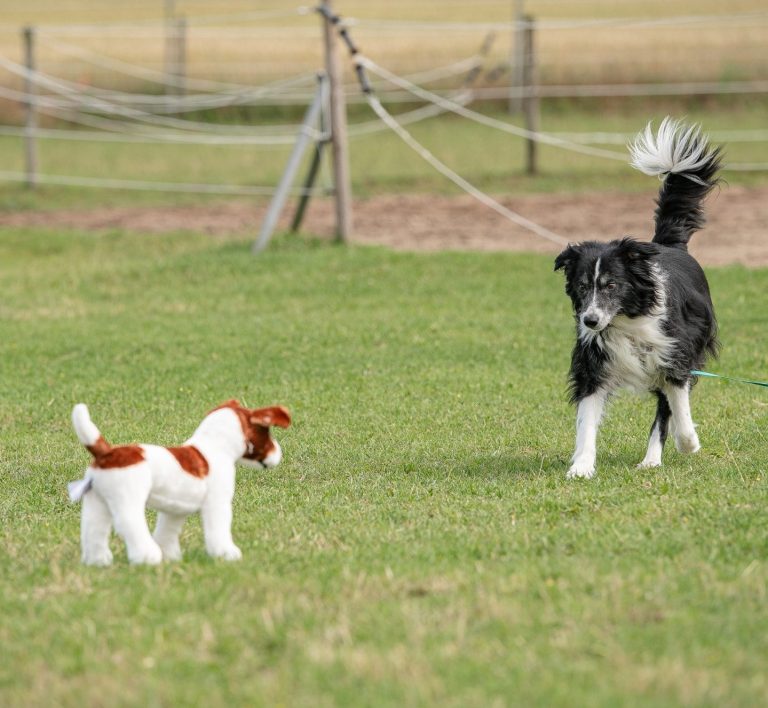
{"x":87,"y":433}
{"x":689,"y":165}
{"x":676,"y":148}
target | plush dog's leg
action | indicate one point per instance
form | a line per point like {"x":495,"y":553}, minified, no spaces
{"x":95,"y":525}
{"x":588,"y":416}
{"x":217,"y":522}
{"x":686,"y":439}
{"x":167,"y":532}
{"x":658,"y":433}
{"x":131,"y":523}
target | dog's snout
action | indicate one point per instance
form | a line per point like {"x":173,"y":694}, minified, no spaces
{"x":590,"y":321}
{"x":275,"y":456}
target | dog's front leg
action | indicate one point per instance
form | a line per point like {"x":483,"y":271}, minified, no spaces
{"x":683,"y":429}
{"x":589,"y":413}
{"x":217,"y":522}
{"x":167,"y":532}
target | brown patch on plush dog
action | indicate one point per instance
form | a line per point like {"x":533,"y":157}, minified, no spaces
{"x":191,"y":460}
{"x":99,"y":448}
{"x":121,"y":456}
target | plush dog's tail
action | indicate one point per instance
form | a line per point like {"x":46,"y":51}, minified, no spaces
{"x":689,"y":165}
{"x":87,"y":433}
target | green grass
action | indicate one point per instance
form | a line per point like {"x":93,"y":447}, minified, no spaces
{"x":490,"y":159}
{"x":420,"y":544}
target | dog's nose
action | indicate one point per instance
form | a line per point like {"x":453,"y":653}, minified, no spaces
{"x":590,"y":321}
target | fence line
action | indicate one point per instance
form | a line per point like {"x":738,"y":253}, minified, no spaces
{"x":145,"y":185}
{"x":159,"y":77}
{"x":505,"y":126}
{"x":204,"y":22}
{"x":734,"y":19}
{"x":130,"y":69}
{"x":458,"y":180}
{"x":85,"y":105}
{"x":100,"y":105}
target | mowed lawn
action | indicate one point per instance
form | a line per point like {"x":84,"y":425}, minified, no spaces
{"x":420,"y":544}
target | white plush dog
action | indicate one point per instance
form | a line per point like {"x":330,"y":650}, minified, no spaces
{"x":176,"y":481}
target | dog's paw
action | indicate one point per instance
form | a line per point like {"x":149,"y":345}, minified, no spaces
{"x":687,"y":442}
{"x":648,"y":464}
{"x":228,"y":553}
{"x":172,"y":553}
{"x":150,"y":555}
{"x":100,"y":558}
{"x":585,"y":470}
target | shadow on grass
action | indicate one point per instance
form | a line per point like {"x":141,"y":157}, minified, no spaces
{"x":510,"y":465}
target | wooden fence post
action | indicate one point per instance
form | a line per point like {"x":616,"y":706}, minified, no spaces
{"x":175,"y":60}
{"x":530,"y":97}
{"x":181,"y":55}
{"x":30,"y":89}
{"x":516,"y":58}
{"x":338,"y":128}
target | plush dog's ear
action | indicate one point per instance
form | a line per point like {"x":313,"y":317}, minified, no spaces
{"x":568,"y":256}
{"x":273,"y":415}
{"x":231,"y":403}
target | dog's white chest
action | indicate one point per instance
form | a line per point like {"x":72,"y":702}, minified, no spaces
{"x":637,"y":350}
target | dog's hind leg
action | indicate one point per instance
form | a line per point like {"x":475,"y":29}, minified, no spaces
{"x":95,"y":525}
{"x":131,"y":523}
{"x":683,"y":429}
{"x":659,"y":431}
{"x":588,"y":416}
{"x":167,"y":532}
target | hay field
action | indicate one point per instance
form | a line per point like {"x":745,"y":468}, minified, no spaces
{"x":281,"y":42}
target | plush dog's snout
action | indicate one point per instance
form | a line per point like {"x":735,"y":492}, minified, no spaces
{"x":275,"y":456}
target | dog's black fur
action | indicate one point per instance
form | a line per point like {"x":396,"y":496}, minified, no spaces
{"x":634,"y":279}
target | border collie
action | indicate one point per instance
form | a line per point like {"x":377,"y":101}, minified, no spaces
{"x":644,"y":316}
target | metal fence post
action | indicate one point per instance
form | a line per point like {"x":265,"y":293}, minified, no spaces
{"x":306,"y":132}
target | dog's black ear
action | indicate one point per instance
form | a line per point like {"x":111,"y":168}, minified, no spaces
{"x":568,"y":256}
{"x":632,"y":250}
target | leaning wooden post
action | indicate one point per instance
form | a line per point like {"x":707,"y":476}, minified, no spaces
{"x":530,"y":97}
{"x":30,"y":129}
{"x":338,"y":127}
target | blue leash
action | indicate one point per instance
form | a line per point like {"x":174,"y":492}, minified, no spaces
{"x":729,"y":378}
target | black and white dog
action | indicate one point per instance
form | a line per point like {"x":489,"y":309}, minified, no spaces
{"x":644,"y":316}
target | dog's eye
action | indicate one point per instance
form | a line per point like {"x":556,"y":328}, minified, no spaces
{"x":610,"y":286}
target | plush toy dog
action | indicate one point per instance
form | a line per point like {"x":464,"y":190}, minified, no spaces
{"x":176,"y":481}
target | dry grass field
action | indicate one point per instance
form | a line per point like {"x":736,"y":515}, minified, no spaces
{"x":273,"y":40}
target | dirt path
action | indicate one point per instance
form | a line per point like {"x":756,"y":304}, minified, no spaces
{"x":736,"y":231}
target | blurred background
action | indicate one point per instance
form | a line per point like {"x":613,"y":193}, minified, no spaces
{"x":176,"y":101}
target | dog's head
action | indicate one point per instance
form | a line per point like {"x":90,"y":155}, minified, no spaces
{"x":261,"y":449}
{"x":604,"y":280}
